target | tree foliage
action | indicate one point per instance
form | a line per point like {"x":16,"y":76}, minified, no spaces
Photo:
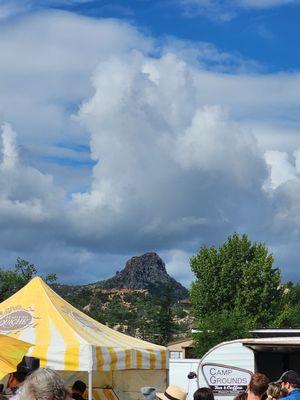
{"x":163,"y":322}
{"x":289,"y":316}
{"x":13,"y":280}
{"x":219,"y":327}
{"x":236,"y":287}
{"x":137,"y":314}
{"x":238,"y":275}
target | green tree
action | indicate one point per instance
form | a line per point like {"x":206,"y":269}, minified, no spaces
{"x":13,"y":280}
{"x":238,"y":280}
{"x":146,"y":309}
{"x":289,"y":317}
{"x":219,"y":327}
{"x":164,"y":325}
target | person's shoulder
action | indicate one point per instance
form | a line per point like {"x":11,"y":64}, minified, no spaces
{"x":294,"y":394}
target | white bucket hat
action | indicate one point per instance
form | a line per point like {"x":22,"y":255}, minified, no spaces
{"x":172,"y":392}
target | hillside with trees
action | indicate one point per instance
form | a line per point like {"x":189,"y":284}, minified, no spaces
{"x":137,"y":309}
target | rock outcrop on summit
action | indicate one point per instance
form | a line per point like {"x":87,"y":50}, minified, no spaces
{"x":147,"y":271}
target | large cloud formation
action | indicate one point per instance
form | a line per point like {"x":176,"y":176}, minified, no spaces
{"x":125,"y":144}
{"x":160,"y":168}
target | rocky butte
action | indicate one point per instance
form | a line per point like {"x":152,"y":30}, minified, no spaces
{"x":147,"y":271}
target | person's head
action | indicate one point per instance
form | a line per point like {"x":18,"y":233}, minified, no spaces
{"x":172,"y":392}
{"x":258,"y":384}
{"x":24,"y":368}
{"x":44,"y":384}
{"x":274,"y":390}
{"x":204,"y":393}
{"x":79,"y":387}
{"x":241,"y":396}
{"x":289,"y":381}
{"x":16,"y":379}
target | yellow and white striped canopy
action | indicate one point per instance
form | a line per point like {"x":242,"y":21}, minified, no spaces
{"x":67,"y":339}
{"x":11,"y":353}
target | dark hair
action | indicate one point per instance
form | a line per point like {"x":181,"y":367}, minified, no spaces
{"x":290,"y":377}
{"x":204,"y":393}
{"x":26,"y":367}
{"x":241,"y":396}
{"x":19,"y":376}
{"x":258,"y":384}
{"x":79,"y":386}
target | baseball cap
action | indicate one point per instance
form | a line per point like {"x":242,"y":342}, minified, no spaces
{"x":290,"y":377}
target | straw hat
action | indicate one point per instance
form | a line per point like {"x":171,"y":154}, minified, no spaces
{"x":172,"y":392}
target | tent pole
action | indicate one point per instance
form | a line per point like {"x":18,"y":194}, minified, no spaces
{"x":90,"y":385}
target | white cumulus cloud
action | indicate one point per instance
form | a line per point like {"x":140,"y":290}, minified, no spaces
{"x":26,"y":195}
{"x":161,"y":157}
{"x":281,"y":169}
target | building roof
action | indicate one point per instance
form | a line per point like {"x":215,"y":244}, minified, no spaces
{"x":180,"y":344}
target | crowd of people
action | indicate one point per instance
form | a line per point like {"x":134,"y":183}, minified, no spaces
{"x":259,"y":388}
{"x":30,"y":382}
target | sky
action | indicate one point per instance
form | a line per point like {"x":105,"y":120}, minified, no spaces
{"x":135,"y":126}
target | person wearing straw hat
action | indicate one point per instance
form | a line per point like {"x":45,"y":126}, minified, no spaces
{"x":172,"y":392}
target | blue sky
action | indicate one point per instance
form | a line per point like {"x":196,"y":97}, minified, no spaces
{"x":134,"y":126}
{"x":268,"y":35}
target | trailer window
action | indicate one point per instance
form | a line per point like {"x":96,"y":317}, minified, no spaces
{"x":273,"y":363}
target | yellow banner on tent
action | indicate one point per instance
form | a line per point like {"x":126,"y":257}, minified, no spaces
{"x":11,"y":353}
{"x":67,"y":339}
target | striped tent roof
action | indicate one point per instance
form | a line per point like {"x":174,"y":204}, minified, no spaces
{"x":67,"y":339}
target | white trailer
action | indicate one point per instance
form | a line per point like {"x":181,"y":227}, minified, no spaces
{"x":227,"y":367}
{"x":178,"y":374}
